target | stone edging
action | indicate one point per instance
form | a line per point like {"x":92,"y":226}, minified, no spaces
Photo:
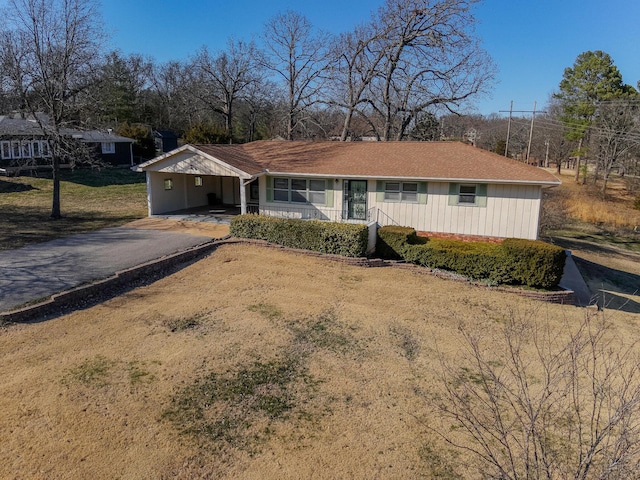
{"x":565,"y":297}
{"x":93,"y":293}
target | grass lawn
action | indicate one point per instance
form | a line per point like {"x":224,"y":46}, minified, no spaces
{"x":257,"y":364}
{"x":90,"y":200}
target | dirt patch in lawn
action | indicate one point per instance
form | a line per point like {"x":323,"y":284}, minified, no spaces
{"x":252,"y":363}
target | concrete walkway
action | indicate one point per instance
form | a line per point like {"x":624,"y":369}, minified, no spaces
{"x":36,"y":271}
{"x":572,"y":280}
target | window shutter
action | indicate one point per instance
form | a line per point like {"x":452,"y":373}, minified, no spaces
{"x":481,"y":195}
{"x":379,"y":191}
{"x":453,"y":194}
{"x":328,"y":192}
{"x":422,"y":193}
{"x":269,"y":189}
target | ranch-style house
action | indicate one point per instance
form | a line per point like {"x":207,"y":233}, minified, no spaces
{"x":439,"y":188}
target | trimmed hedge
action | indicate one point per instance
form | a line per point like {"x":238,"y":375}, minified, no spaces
{"x":514,"y":261}
{"x":348,"y":240}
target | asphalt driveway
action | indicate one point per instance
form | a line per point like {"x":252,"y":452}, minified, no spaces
{"x":38,"y":271}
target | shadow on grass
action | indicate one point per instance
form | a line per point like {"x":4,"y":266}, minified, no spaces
{"x":611,"y":288}
{"x":99,"y":178}
{"x":602,"y":244}
{"x":13,"y":187}
{"x":22,"y":225}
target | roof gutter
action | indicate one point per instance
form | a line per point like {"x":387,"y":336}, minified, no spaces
{"x":422,"y":179}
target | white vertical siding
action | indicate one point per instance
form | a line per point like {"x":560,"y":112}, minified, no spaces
{"x":166,"y":200}
{"x":511,"y":211}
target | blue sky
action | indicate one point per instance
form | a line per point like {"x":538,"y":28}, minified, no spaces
{"x":531,"y":41}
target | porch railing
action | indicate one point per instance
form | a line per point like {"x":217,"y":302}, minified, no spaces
{"x":310,"y":213}
{"x":373,"y":214}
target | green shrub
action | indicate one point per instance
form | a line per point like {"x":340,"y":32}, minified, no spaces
{"x":349,"y":240}
{"x":392,"y":241}
{"x":476,"y":260}
{"x":514,"y":261}
{"x":535,"y":263}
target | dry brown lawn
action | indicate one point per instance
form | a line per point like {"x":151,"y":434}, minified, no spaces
{"x":153,"y":384}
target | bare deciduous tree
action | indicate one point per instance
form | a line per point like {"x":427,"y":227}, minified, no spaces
{"x":298,"y":57}
{"x":170,"y":91}
{"x":223,"y":79}
{"x":431,"y":60}
{"x":357,"y":60}
{"x":50,"y":55}
{"x":540,"y":403}
{"x":614,"y":134}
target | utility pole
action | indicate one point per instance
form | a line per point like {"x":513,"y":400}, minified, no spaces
{"x":533,"y":116}
{"x":506,"y":147}
{"x":546,"y":153}
{"x":511,"y":112}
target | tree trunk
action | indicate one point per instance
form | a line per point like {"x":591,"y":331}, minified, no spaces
{"x":55,"y":204}
{"x":577,"y":178}
{"x":229,"y":120}
{"x":346,"y":126}
{"x":603,"y":190}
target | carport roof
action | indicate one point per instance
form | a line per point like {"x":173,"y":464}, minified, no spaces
{"x":442,"y":161}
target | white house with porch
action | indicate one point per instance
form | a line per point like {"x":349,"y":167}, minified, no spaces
{"x":438,"y":188}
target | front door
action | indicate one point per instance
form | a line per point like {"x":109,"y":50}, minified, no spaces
{"x":356,"y":199}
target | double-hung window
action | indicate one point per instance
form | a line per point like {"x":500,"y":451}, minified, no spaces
{"x":401,"y":192}
{"x":6,"y":149}
{"x":468,"y":194}
{"x":280,"y":189}
{"x":300,"y":190}
{"x":26,"y":149}
{"x":16,"y":149}
{"x":46,"y":151}
{"x":35,"y":147}
{"x":108,"y":147}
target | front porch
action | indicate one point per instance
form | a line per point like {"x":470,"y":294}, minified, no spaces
{"x":224,"y":214}
{"x":213,"y":214}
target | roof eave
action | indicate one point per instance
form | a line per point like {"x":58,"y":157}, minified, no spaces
{"x":421,"y":179}
{"x":241,"y":173}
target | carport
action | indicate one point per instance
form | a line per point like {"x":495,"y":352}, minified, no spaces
{"x":188,"y":178}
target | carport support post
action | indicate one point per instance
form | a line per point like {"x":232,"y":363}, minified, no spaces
{"x":243,"y":195}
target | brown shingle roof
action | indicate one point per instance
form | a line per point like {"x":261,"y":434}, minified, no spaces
{"x":234,"y":155}
{"x":424,"y":160}
{"x":446,"y":161}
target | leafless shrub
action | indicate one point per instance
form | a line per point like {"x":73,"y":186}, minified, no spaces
{"x":542,"y":403}
{"x":553,"y":215}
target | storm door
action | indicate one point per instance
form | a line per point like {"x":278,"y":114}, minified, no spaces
{"x":356,"y":199}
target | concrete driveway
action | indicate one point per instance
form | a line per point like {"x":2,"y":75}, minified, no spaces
{"x":38,"y":271}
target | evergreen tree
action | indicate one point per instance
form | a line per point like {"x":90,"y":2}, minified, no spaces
{"x":592,"y":79}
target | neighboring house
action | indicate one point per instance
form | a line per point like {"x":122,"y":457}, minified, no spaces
{"x":164,"y":140}
{"x":22,"y":143}
{"x":110,"y":149}
{"x":439,"y":188}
